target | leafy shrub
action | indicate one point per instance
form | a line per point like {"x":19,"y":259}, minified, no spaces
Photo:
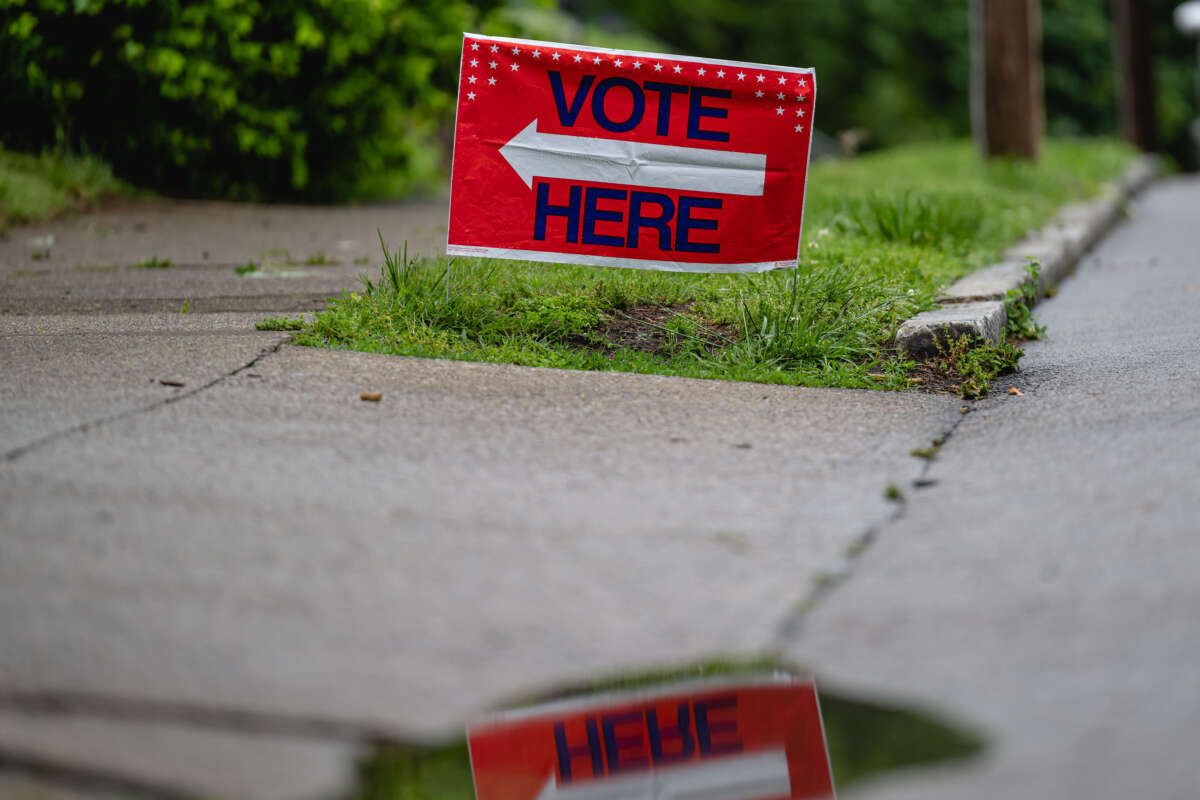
{"x":311,"y":99}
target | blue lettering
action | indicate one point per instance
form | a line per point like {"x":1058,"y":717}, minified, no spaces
{"x":665,"y":92}
{"x":705,"y":728}
{"x":567,"y":116}
{"x":680,"y":733}
{"x":685,"y":226}
{"x":660,"y":223}
{"x":544,"y":210}
{"x":697,"y":109}
{"x":567,"y":753}
{"x":635,"y":115}
{"x":613,"y":744}
{"x":592,"y":215}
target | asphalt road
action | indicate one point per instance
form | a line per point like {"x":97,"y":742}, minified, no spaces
{"x":257,"y":571}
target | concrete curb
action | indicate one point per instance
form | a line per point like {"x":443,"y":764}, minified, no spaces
{"x":971,"y":303}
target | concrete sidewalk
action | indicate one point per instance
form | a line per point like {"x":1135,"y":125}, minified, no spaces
{"x":225,"y":589}
{"x":1046,"y":586}
{"x":258,"y":563}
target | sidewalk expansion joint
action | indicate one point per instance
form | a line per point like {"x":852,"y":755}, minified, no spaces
{"x":74,"y":704}
{"x":87,"y":779}
{"x":791,"y":627}
{"x":83,"y":427}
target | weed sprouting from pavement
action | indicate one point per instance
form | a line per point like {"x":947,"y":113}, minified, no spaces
{"x":1019,"y":302}
{"x":973,"y":365}
{"x":280,"y":324}
{"x":319,"y":259}
{"x":154,"y":262}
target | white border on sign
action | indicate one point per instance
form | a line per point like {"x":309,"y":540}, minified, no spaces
{"x":616,"y":261}
{"x":696,"y":59}
{"x":692,"y":686}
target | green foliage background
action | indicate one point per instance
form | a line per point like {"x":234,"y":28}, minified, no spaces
{"x":343,"y":99}
{"x":320,"y":99}
{"x":900,"y":68}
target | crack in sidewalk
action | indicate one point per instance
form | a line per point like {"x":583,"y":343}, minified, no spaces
{"x":88,"y":779}
{"x":83,"y":427}
{"x":66,"y":703}
{"x":790,"y":627}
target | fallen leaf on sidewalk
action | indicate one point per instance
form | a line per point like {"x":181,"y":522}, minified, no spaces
{"x":1016,"y":391}
{"x":371,"y":397}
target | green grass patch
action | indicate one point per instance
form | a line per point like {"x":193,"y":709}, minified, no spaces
{"x":37,"y":187}
{"x":884,"y":234}
{"x":865,"y":738}
{"x":280,"y":324}
{"x":154,"y":262}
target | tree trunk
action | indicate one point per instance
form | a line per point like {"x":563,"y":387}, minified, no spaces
{"x":1135,"y":72}
{"x":1007,"y":107}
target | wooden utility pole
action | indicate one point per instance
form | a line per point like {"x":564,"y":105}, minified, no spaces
{"x":1007,"y":111}
{"x":1135,"y":72}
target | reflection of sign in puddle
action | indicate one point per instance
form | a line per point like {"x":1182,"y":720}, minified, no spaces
{"x":865,"y":739}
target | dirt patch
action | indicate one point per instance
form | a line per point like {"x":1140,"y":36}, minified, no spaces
{"x":659,"y":329}
{"x":927,"y":377}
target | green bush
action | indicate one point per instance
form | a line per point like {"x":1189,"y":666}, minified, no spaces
{"x":309,"y":99}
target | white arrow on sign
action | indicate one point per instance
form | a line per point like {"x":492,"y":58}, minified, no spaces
{"x":756,"y":776}
{"x":659,"y":166}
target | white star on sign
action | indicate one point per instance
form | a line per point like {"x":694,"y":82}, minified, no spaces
{"x":578,"y":58}
{"x":802,"y":83}
{"x":470,"y":95}
{"x":799,"y":128}
{"x":779,"y":111}
{"x":782,"y":80}
{"x":537,"y":53}
{"x":678,"y":69}
{"x":474,"y":45}
{"x":474,"y":62}
{"x":761,"y":78}
{"x":618,"y":62}
{"x":492,"y":64}
{"x":637,"y":65}
{"x":779,"y":96}
{"x":720,"y":73}
{"x":516,"y":51}
{"x":758,"y":93}
{"x":596,"y":60}
{"x":554,"y":56}
{"x":799,"y":112}
{"x":741,"y":76}
{"x":495,"y":48}
{"x":514,"y":67}
{"x":700,"y":71}
{"x":471,"y":79}
{"x":658,"y":67}
{"x":491,"y":81}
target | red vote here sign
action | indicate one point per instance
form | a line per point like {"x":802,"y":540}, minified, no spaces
{"x":618,"y":158}
{"x":747,"y":740}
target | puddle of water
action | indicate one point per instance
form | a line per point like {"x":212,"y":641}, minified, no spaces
{"x":865,"y":738}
